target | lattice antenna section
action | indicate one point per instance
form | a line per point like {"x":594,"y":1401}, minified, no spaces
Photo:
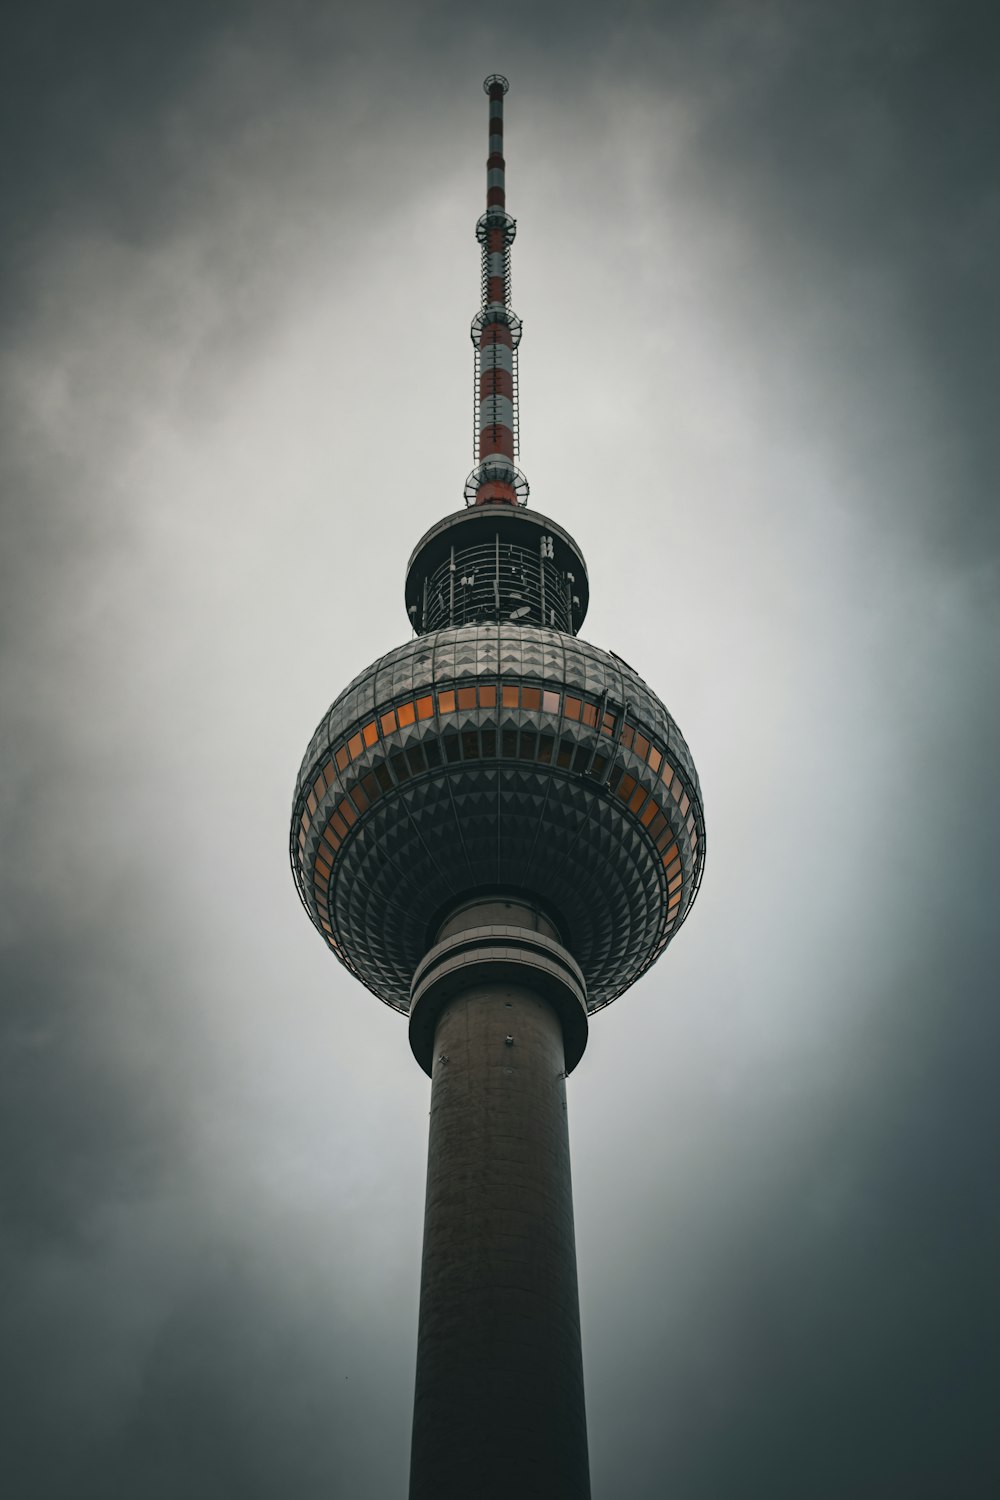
{"x":517,"y":407}
{"x":496,"y":334}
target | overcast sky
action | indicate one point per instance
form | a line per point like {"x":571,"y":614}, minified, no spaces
{"x":756,"y":262}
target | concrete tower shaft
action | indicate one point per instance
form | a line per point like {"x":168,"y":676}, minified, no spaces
{"x":499,"y":1411}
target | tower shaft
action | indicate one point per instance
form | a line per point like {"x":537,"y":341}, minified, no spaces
{"x":499,"y":1405}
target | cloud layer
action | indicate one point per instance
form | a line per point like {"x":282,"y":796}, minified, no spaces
{"x":755,"y":262}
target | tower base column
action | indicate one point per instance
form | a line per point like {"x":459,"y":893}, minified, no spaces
{"x":499,"y":1404}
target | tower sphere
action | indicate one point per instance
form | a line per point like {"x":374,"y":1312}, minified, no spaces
{"x":495,"y":753}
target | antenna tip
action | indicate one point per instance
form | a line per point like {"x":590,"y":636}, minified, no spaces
{"x":495,"y":81}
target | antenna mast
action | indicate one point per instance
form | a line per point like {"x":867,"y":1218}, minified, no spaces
{"x":496,"y":334}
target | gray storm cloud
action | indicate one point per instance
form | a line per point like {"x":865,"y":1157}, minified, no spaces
{"x":755,"y":261}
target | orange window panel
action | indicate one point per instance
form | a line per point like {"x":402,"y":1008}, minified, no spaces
{"x":370,"y":733}
{"x":347,"y":812}
{"x":359,"y":799}
{"x":625,"y":787}
{"x":388,"y":722}
{"x":338,"y":825}
{"x":466,"y":698}
{"x":331,"y":838}
{"x":425,"y":707}
{"x":322,"y":868}
{"x":342,"y":758}
{"x":550,"y":703}
{"x":657,"y":826}
{"x":670,"y":855}
{"x":685,"y":804}
{"x":510,"y":697}
{"x":488,"y":695}
{"x":628,"y":735}
{"x":354,"y":745}
{"x":641,"y":746}
{"x":590,"y":715}
{"x":446,"y":702}
{"x":319,"y":786}
{"x":329,"y":774}
{"x":676,"y":789}
{"x":654,"y":759}
{"x":531,"y":698}
{"x":311,"y":802}
{"x":637,"y":798}
{"x":675,"y":898}
{"x":406,"y":714}
{"x":302,"y":840}
{"x":677,"y":880}
{"x":673,"y":868}
{"x":305,"y":821}
{"x":666,"y":773}
{"x":325,"y":925}
{"x":649,"y":813}
{"x":572,"y":707}
{"x":608,"y":724}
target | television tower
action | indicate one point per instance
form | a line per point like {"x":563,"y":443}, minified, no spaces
{"x":497,"y":829}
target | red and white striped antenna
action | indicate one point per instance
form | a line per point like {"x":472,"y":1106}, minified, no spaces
{"x":496,"y":334}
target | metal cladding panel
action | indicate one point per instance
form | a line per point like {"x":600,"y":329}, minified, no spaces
{"x":497,"y":357}
{"x":496,"y":411}
{"x":497,"y":756}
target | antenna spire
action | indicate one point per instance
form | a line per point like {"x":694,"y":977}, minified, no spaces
{"x":496,"y":334}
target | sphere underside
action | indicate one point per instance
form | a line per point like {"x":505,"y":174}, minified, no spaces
{"x":497,"y":758}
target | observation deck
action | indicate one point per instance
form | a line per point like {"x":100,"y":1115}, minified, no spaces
{"x":496,"y":563}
